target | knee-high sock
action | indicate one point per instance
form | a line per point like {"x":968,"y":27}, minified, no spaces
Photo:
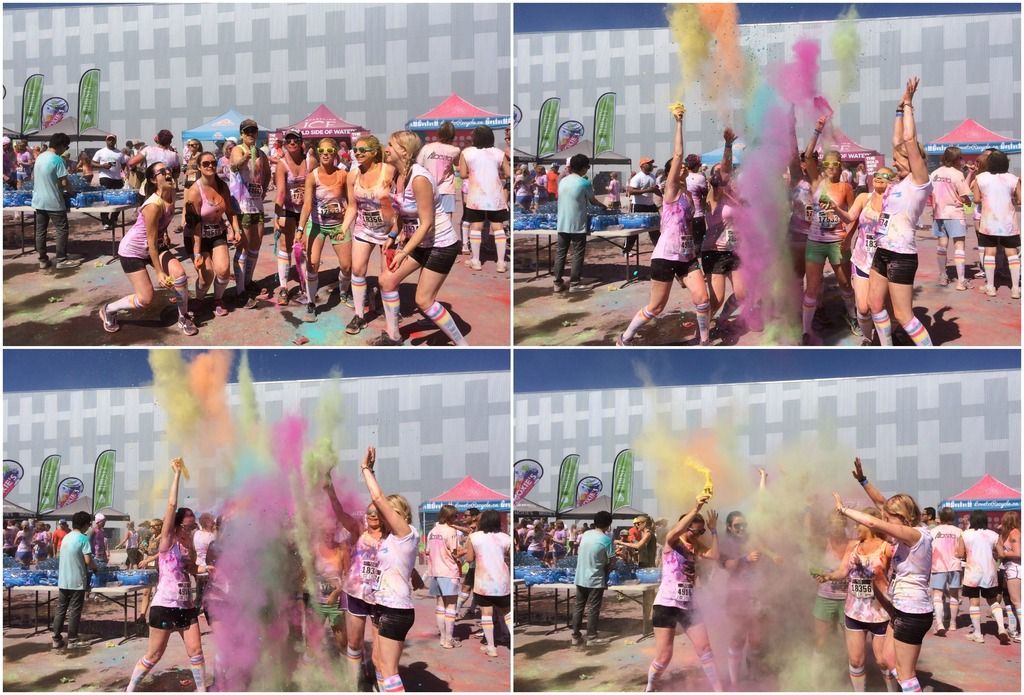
{"x":464,"y":601}
{"x":380,"y":681}
{"x":810,"y":305}
{"x":198,"y":665}
{"x":238,"y":267}
{"x":653,"y":673}
{"x":975,"y":612}
{"x":312,"y":283}
{"x":857,"y":678}
{"x":475,"y":238}
{"x":911,"y":685}
{"x":867,"y":326}
{"x":891,"y":684}
{"x":181,"y":294}
{"x":250,"y":265}
{"x":391,"y":303}
{"x":990,"y":270}
{"x":344,"y":280}
{"x":848,"y":301}
{"x":707,"y":662}
{"x":499,"y":242}
{"x":142,"y":669}
{"x":703,"y":319}
{"x":940,"y":259}
{"x":639,"y":319}
{"x":960,"y":261}
{"x":938,"y":607}
{"x":449,"y":622}
{"x":954,"y":610}
{"x":884,"y":327}
{"x":359,"y":294}
{"x":1014,"y":263}
{"x":439,"y":620}
{"x":735,"y":661}
{"x":465,"y":234}
{"x":283,"y":264}
{"x":354,"y":659}
{"x":393,"y":684}
{"x":997,"y":613}
{"x":219,"y":285}
{"x":487,"y":623}
{"x":917,"y":332}
{"x":727,"y":308}
{"x":129,"y":302}
{"x":439,"y":315}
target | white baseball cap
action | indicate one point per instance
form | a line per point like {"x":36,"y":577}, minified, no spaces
{"x":233,"y":140}
{"x":99,"y":518}
{"x":7,"y":141}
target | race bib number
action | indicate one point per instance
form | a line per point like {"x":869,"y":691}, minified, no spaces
{"x":684,"y":592}
{"x":883,"y":224}
{"x":871,"y":242}
{"x":185,"y":592}
{"x":370,"y":573}
{"x":827,"y":220}
{"x":730,"y":239}
{"x":686,"y":247}
{"x":211,"y":230}
{"x":808,"y":213}
{"x":409,"y":227}
{"x":330,"y":211}
{"x":862,"y":588}
{"x":839,"y":586}
{"x":255,"y":190}
{"x":371,"y":218}
{"x":297,"y":194}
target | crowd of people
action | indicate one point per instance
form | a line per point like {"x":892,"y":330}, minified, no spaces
{"x":864,"y":227}
{"x":550,"y":542}
{"x":885,"y":588}
{"x":398,"y":197}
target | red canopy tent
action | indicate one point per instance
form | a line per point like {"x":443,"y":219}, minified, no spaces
{"x":324,"y":123}
{"x":463,"y":115}
{"x":973,"y":138}
{"x":988,"y":495}
{"x":468,"y":493}
{"x":851,"y":151}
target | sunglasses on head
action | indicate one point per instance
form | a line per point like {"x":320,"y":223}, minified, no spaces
{"x":326,"y":150}
{"x":363,"y":150}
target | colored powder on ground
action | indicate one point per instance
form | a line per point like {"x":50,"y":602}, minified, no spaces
{"x":846,"y":51}
{"x":692,"y":44}
{"x":727,"y":64}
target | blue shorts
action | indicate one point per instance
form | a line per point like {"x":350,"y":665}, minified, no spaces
{"x":447,"y":202}
{"x":443,"y":586}
{"x":358,"y":607}
{"x":954,"y":229}
{"x":945,"y":580}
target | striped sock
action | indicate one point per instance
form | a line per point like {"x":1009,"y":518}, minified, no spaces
{"x":250,"y":265}
{"x":359,"y":294}
{"x":735,"y":661}
{"x":393,"y":684}
{"x":141,"y":670}
{"x":911,"y":685}
{"x":129,"y":302}
{"x":391,"y":303}
{"x":940,"y":259}
{"x":449,"y":622}
{"x":439,"y":315}
{"x":883,"y":326}
{"x":283,"y":265}
{"x":220,"y":284}
{"x":462,"y":600}
{"x":891,"y":684}
{"x":810,"y":306}
{"x":960,"y":261}
{"x":198,"y":665}
{"x":475,"y":237}
{"x":653,"y":673}
{"x":499,"y":242}
{"x":238,"y":267}
{"x":867,"y":327}
{"x":354,"y":659}
{"x":380,"y":680}
{"x":1014,"y":263}
{"x":181,"y":294}
{"x":990,"y":270}
{"x":918,"y":333}
{"x":703,"y":319}
{"x":975,"y":612}
{"x":487,"y":623}
{"x":857,"y":678}
{"x":640,"y":318}
{"x":707,"y":662}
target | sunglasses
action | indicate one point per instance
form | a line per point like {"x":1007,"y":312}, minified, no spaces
{"x":887,"y":177}
{"x":326,"y":150}
{"x":163,"y":172}
{"x":293,"y":141}
{"x":739,"y":527}
{"x":363,"y":150}
{"x":831,"y":165}
{"x":208,"y":164}
{"x":250,"y":131}
{"x":698,"y":533}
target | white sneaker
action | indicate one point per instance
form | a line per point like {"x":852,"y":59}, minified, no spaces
{"x":976,"y":637}
{"x":990,"y":290}
{"x":1015,"y":293}
{"x":500,"y":267}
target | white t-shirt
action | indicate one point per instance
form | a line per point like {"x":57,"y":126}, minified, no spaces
{"x":642,"y":180}
{"x":113,"y":157}
{"x":911,"y":573}
{"x":901,"y":209}
{"x":485,"y":189}
{"x":396,"y":559}
{"x":491,"y":577}
{"x":981,"y":566}
{"x":201,"y":540}
{"x":697,"y":187}
{"x":156,"y":154}
{"x":998,"y":213}
{"x":438,"y":158}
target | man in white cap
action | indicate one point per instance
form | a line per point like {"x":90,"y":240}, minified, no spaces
{"x":10,"y":164}
{"x":643,"y":187}
{"x":111,"y":163}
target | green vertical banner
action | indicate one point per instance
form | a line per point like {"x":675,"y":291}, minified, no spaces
{"x":89,"y":100}
{"x":567,"y":473}
{"x":103,"y":481}
{"x":31,"y":103}
{"x":604,"y":123}
{"x":622,"y":480}
{"x":49,"y":477}
{"x":547,"y":131}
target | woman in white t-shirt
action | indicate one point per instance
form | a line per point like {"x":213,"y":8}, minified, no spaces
{"x":999,"y":194}
{"x":492,"y":583}
{"x":977,"y":547}
{"x":393,"y":613}
{"x":484,"y":166}
{"x":909,"y":601}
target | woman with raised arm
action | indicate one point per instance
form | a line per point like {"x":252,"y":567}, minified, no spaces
{"x":173,"y":608}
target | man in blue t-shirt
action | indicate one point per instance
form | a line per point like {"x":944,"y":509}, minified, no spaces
{"x":51,"y":183}
{"x":594,"y":558}
{"x":574,"y":193}
{"x":73,"y":579}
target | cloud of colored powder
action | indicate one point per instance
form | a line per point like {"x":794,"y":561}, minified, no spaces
{"x":846,"y":51}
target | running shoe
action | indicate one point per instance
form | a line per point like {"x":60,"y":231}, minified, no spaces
{"x":961,"y":285}
{"x":57,"y":643}
{"x":1003,"y":638}
{"x":560,"y":286}
{"x":357,"y":324}
{"x":45,"y":265}
{"x":489,"y":651}
{"x":620,"y":341}
{"x":219,"y":309}
{"x":576,"y":641}
{"x":251,"y":302}
{"x":282,"y":296}
{"x":110,"y":324}
{"x":501,"y":268}
{"x":1016,"y":637}
{"x":940,"y":631}
{"x":346,"y":299}
{"x":943,"y":281}
{"x":68,"y":263}
{"x":186,"y":325}
{"x":1015,"y":293}
{"x":854,"y":327}
{"x":475,"y":265}
{"x":310,"y":312}
{"x":989,"y":289}
{"x":976,"y":637}
{"x":598,"y":641}
{"x":385,"y":340}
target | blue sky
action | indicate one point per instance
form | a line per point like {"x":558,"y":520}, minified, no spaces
{"x":44,"y":370}
{"x":556,"y":370}
{"x":533,"y":17}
